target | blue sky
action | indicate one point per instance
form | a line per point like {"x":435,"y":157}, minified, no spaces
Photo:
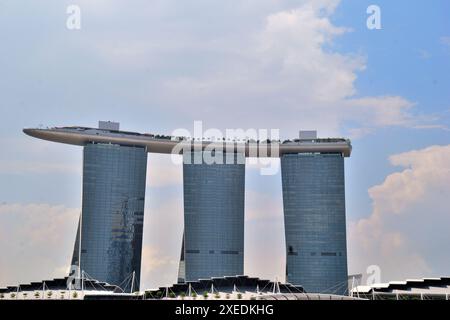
{"x":156,"y":66}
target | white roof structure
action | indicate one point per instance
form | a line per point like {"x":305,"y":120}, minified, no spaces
{"x":425,"y":286}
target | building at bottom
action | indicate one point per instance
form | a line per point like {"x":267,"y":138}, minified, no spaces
{"x":60,"y":289}
{"x":237,"y":288}
{"x":220,"y":288}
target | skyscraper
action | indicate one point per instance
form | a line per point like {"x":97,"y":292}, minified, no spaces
{"x":213,"y":216}
{"x":112,"y":213}
{"x":314,"y":219}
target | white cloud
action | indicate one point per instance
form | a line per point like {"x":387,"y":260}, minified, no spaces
{"x":278,"y":70}
{"x":381,"y":111}
{"x":371,"y":113}
{"x":161,"y":172}
{"x":264,"y":236}
{"x":36,"y":241}
{"x":163,"y":230}
{"x":158,"y":267}
{"x":27,"y":167}
{"x":445,"y":41}
{"x":262,"y":206}
{"x":260,"y":64}
{"x":406,"y":233}
{"x":26,"y":155}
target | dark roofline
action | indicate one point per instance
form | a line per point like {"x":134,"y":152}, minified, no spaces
{"x":226,"y":284}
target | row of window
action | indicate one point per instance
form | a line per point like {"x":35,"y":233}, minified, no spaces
{"x":213,"y":251}
{"x":323,"y":254}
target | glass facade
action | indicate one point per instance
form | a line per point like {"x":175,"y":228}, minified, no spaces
{"x":213,"y":217}
{"x":314,"y":218}
{"x":114,"y":180}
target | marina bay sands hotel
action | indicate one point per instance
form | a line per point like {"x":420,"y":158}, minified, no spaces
{"x":109,"y":238}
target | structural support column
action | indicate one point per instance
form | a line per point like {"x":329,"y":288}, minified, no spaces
{"x":314,"y":217}
{"x":112,"y":213}
{"x":213,"y":215}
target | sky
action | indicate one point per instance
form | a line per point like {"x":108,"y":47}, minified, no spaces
{"x":157,"y":66}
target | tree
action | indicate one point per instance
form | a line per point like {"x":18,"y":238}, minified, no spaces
{"x":205,"y":295}
{"x":182,"y":295}
{"x":75,"y":295}
{"x":239,"y":296}
{"x":49,"y":294}
{"x":37,"y":295}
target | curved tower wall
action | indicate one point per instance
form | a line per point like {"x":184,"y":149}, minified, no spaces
{"x":314,"y":218}
{"x":213,"y":217}
{"x":114,"y":180}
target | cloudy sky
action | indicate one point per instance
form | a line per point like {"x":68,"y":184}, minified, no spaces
{"x":159,"y":65}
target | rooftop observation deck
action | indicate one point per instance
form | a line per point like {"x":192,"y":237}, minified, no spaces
{"x":155,"y":143}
